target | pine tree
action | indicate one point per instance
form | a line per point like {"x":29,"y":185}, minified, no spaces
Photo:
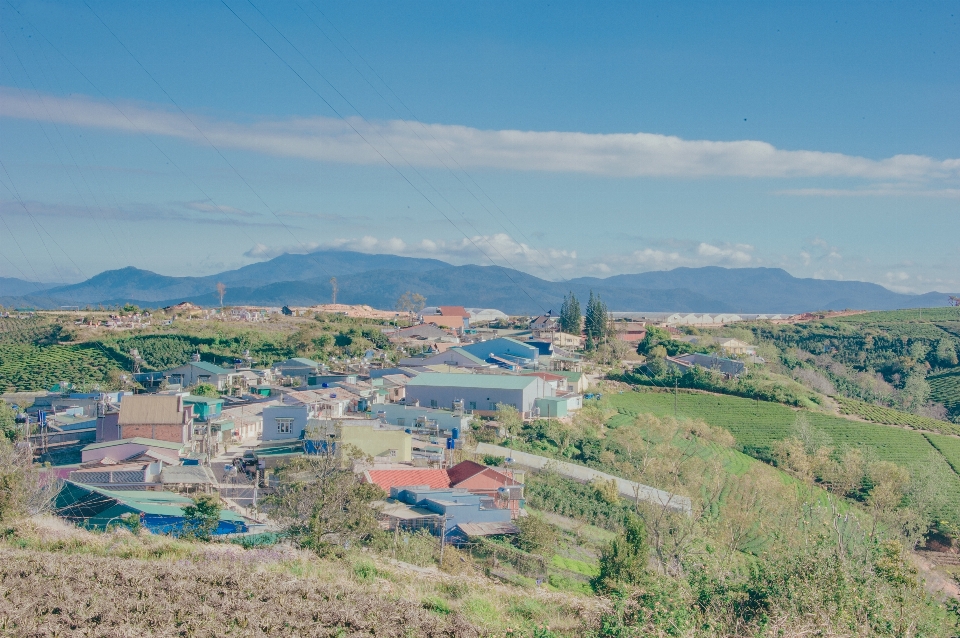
{"x":597,"y":329}
{"x":571,"y":320}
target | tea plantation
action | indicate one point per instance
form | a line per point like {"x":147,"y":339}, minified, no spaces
{"x":756,"y":425}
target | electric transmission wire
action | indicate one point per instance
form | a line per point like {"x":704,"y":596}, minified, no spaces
{"x":414,"y":117}
{"x":364,"y":138}
{"x":204,"y":136}
{"x":141,"y":131}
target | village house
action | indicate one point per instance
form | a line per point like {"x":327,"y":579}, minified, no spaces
{"x":453,"y":317}
{"x":196,"y":371}
{"x":163,"y":417}
{"x":479,"y":393}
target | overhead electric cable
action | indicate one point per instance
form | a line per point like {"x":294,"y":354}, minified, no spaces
{"x":204,"y":136}
{"x":53,"y":147}
{"x":372,"y":146}
{"x":427,"y":131}
{"x":140,"y":130}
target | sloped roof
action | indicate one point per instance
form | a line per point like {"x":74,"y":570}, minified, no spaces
{"x":490,"y":381}
{"x":408,"y":477}
{"x":187,"y":474}
{"x":212,"y":368}
{"x":154,"y":443}
{"x":453,"y":311}
{"x":155,"y":409}
{"x":310,"y":363}
{"x":464,"y":470}
{"x":488,"y":529}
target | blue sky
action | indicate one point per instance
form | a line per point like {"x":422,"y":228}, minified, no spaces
{"x":563,"y":139}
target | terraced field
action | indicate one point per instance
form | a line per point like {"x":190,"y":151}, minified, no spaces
{"x":878,"y":414}
{"x":29,"y":368}
{"x":945,"y":389}
{"x":756,"y":426}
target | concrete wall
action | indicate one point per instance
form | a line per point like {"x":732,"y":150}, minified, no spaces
{"x":299,"y":414}
{"x":626,"y":488}
{"x":377,"y":442}
{"x":191,"y":376}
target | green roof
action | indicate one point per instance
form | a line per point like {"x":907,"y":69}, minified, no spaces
{"x":572,"y":376}
{"x":169,"y":445}
{"x":193,"y":398}
{"x":150,"y":502}
{"x":212,"y":368}
{"x":304,"y":361}
{"x":491,"y":381}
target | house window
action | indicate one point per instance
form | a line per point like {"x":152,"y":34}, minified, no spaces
{"x":493,"y":405}
{"x":433,"y":403}
{"x":473,"y":405}
{"x":401,"y":422}
{"x":284,"y":426}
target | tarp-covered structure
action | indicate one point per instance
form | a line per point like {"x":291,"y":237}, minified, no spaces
{"x":159,"y":512}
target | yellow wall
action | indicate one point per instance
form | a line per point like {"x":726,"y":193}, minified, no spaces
{"x":376,"y":442}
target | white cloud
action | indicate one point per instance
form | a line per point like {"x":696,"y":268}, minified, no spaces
{"x":617,"y":154}
{"x":739,"y":254}
{"x":209,"y":206}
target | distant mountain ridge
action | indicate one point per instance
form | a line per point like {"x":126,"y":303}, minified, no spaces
{"x":378,"y":280}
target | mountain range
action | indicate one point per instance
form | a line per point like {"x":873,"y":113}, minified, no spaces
{"x":378,"y":280}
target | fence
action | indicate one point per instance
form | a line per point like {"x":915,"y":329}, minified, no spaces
{"x":629,"y":489}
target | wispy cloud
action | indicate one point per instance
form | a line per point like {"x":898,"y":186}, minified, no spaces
{"x":183,"y":212}
{"x":874,"y":191}
{"x":617,"y":154}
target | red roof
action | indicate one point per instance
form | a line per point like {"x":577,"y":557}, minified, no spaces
{"x":464,"y":470}
{"x":402,"y":478}
{"x":453,"y":311}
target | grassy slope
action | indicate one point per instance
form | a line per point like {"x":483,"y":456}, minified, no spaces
{"x":757,"y":425}
{"x":159,"y":586}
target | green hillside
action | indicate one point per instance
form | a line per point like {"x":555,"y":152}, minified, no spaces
{"x":757,"y":425}
{"x":945,"y":389}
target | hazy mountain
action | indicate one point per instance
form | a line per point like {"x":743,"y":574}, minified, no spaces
{"x":13,"y":287}
{"x":378,"y":280}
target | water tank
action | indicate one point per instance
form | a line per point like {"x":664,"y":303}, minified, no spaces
{"x":451,"y":444}
{"x":455,"y":433}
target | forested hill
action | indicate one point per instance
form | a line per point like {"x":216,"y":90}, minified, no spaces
{"x":378,"y":280}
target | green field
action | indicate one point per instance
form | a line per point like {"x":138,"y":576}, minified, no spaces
{"x":950,"y":448}
{"x":943,"y":313}
{"x":29,"y":368}
{"x":888,"y":416}
{"x":756,"y":426}
{"x":945,"y":389}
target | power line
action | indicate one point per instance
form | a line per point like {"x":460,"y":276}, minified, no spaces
{"x":202,"y":134}
{"x":426,"y":130}
{"x":138,"y":129}
{"x":53,"y":146}
{"x":355,"y":130}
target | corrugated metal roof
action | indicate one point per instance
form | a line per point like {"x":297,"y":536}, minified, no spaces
{"x":187,"y":474}
{"x":154,"y":443}
{"x":212,"y":368}
{"x":488,"y":529}
{"x":154,"y":409}
{"x":491,"y":381}
{"x":403,"y":478}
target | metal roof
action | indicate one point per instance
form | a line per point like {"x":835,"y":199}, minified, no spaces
{"x":488,"y":529}
{"x":168,"y":445}
{"x":488,"y":381}
{"x":193,"y":398}
{"x":209,"y":367}
{"x":154,"y":409}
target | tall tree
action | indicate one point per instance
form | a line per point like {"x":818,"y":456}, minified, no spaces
{"x":597,"y":328}
{"x":571,"y":319}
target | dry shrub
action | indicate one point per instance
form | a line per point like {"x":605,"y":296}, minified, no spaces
{"x":92,"y":595}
